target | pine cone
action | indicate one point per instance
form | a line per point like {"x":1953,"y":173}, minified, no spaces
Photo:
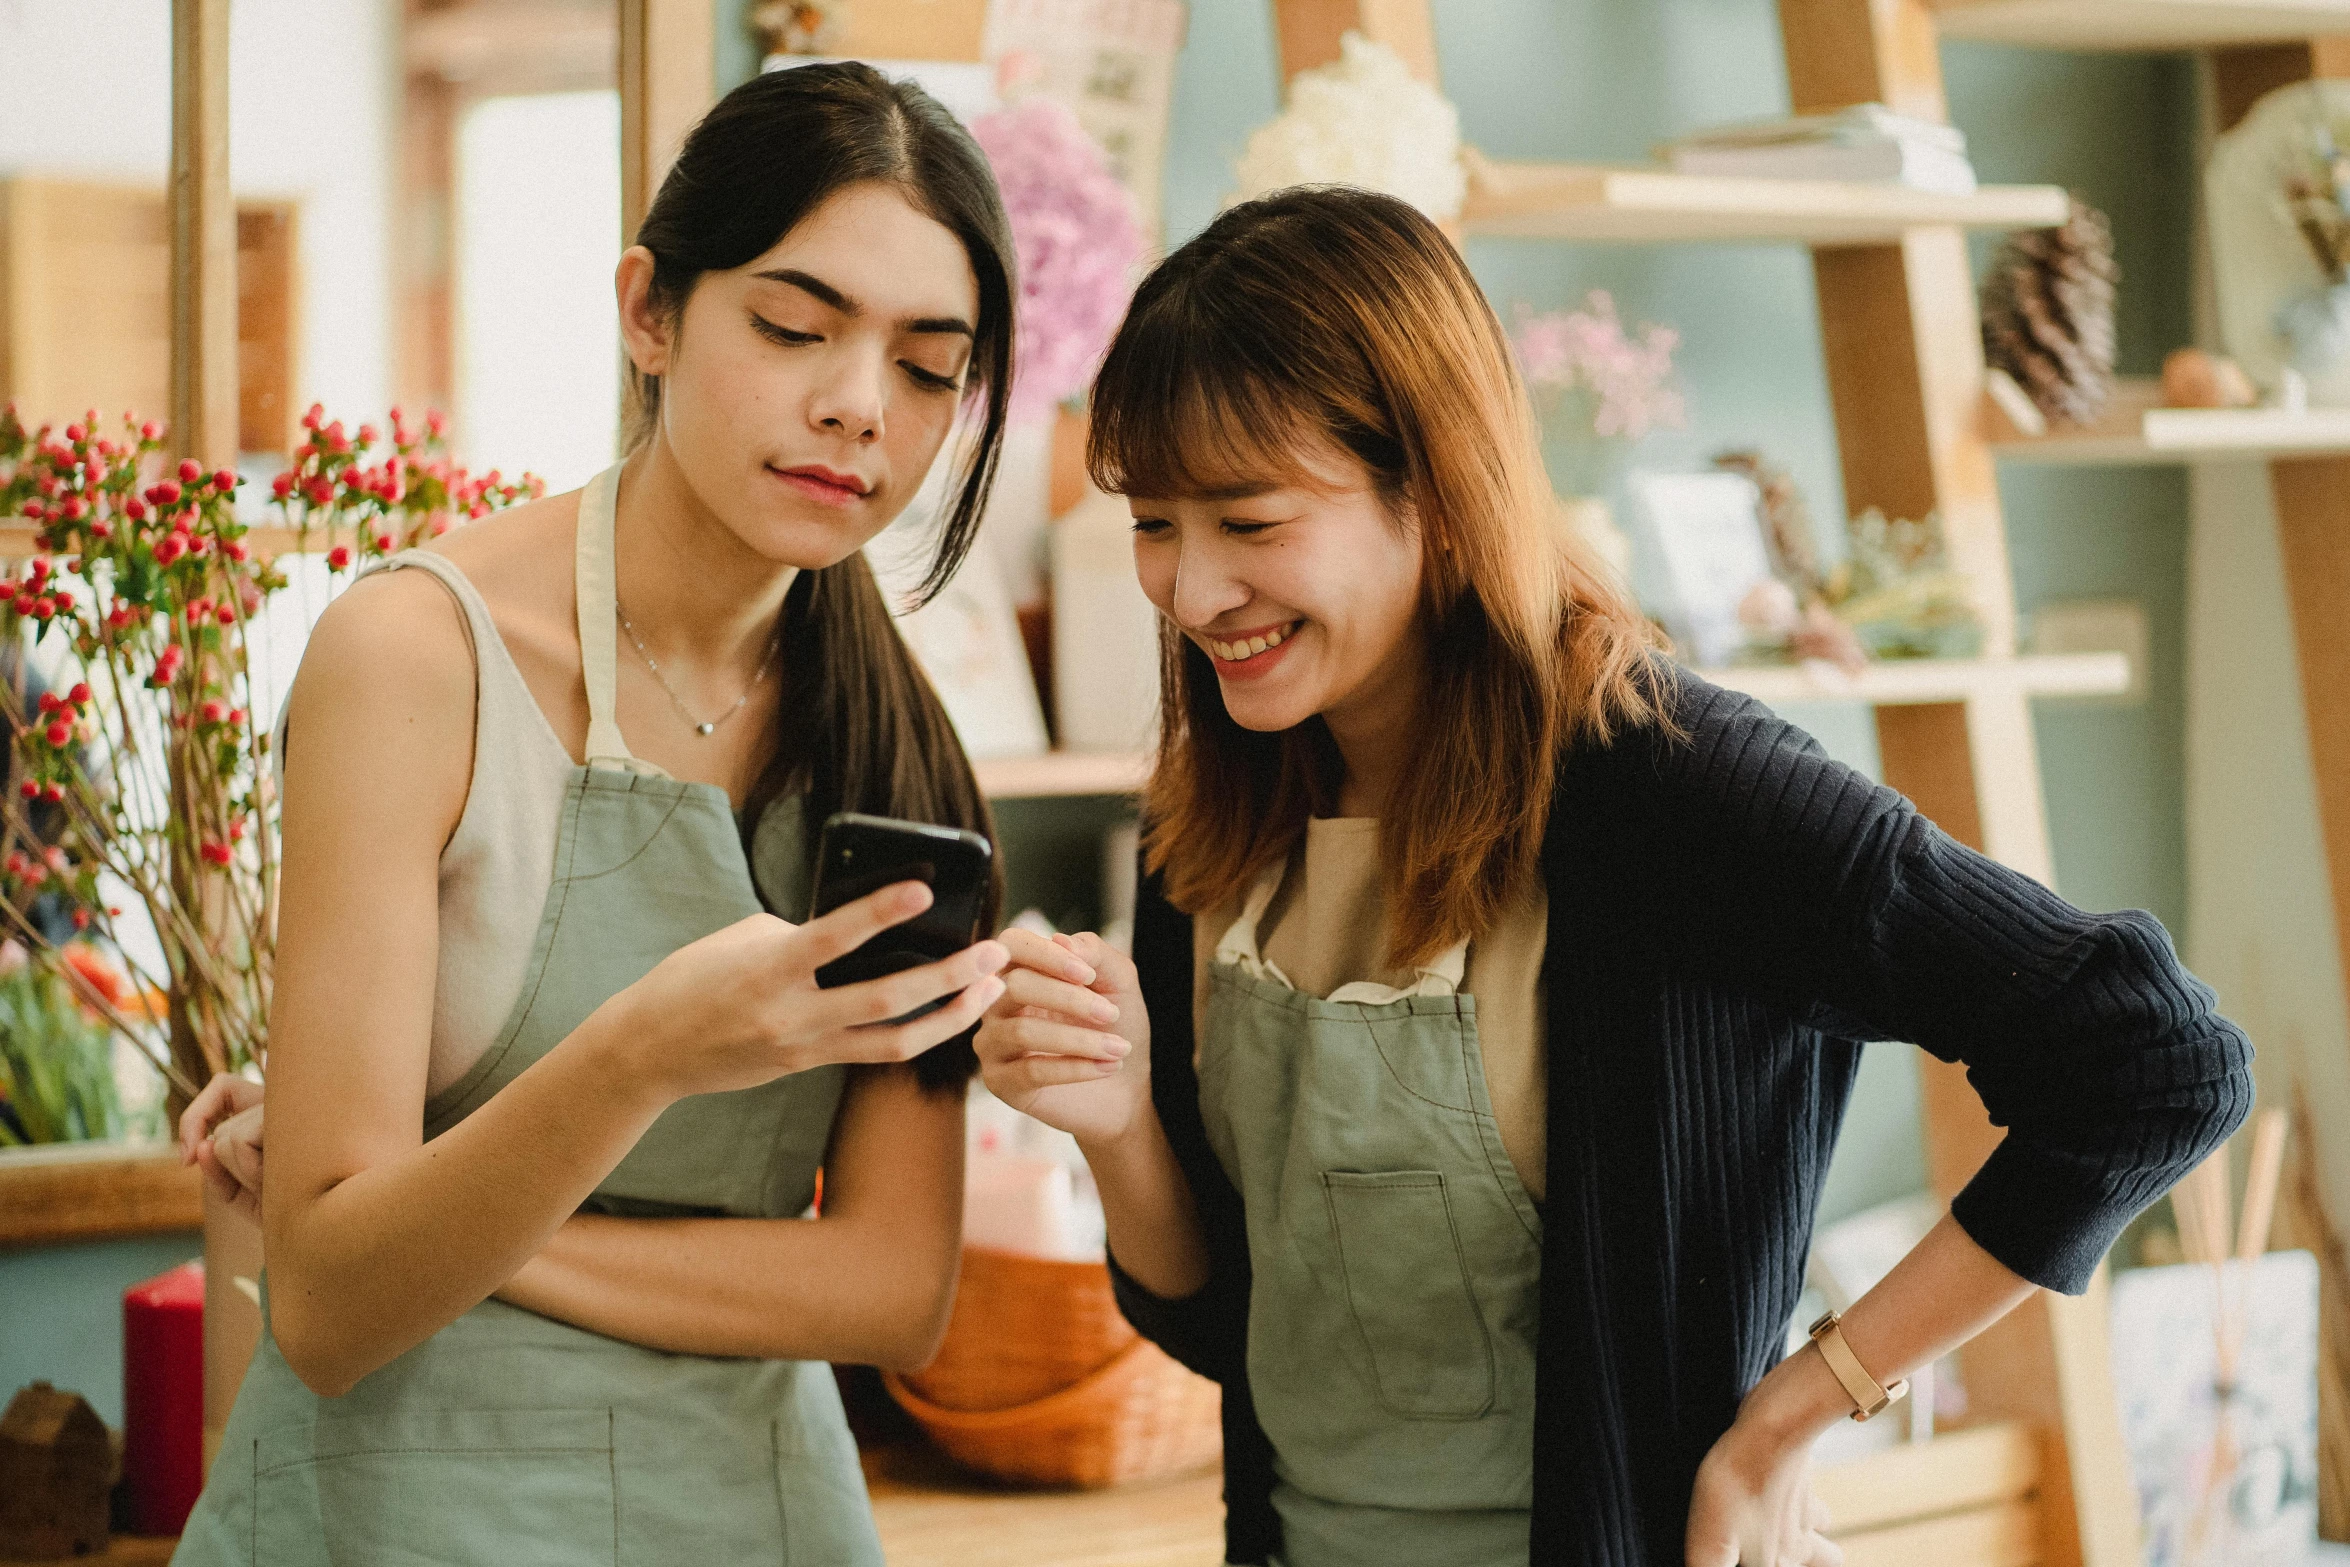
{"x":2048,"y":314}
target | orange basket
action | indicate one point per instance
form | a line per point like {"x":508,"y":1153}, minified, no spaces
{"x":1041,"y":1381}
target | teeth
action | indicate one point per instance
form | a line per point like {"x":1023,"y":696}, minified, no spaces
{"x":1234,"y":652}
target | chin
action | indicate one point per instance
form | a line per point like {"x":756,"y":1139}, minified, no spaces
{"x":810,"y":543}
{"x":1254,"y":713}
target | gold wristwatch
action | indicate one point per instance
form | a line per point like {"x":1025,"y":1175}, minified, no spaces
{"x":1868,"y":1395}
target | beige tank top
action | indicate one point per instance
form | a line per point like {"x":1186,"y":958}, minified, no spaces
{"x":500,"y":862}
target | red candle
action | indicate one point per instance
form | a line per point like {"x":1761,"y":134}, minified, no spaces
{"x":163,"y":1397}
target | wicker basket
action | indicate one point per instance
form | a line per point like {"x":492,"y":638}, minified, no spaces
{"x":1040,"y":1380}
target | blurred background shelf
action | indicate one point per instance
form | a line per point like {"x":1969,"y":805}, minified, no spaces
{"x":2137,"y":429}
{"x":1655,"y":206}
{"x":1906,"y":682}
{"x":2139,"y":25}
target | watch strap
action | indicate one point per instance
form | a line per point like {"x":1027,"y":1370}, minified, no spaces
{"x":1868,"y":1395}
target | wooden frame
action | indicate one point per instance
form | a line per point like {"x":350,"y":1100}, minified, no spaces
{"x":86,"y":303}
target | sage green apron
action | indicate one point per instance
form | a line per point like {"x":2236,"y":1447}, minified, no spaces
{"x":1396,"y":1260}
{"x":508,"y":1439}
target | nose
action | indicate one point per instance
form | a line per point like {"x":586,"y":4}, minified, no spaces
{"x":849,"y":401}
{"x":1204,"y":586}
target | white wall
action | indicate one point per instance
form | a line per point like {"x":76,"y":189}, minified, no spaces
{"x":85,"y":90}
{"x":2260,"y":918}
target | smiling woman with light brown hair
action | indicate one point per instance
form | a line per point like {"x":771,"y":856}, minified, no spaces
{"x":1498,"y":987}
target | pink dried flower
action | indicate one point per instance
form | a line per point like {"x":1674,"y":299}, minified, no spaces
{"x":1078,"y":240}
{"x":1628,"y":381}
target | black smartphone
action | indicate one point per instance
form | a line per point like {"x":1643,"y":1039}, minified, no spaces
{"x":860,"y":854}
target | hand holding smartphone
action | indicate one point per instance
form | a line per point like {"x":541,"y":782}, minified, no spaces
{"x":860,"y":854}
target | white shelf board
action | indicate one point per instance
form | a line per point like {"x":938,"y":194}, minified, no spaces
{"x":1656,"y":206}
{"x":1911,"y":681}
{"x":1060,"y":774}
{"x":2139,"y":25}
{"x":2136,"y":429}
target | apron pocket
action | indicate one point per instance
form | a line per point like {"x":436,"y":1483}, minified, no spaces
{"x":1408,"y":1286}
{"x":450,"y":1488}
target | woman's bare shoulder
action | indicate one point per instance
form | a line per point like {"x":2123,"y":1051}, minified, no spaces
{"x":518,"y":560}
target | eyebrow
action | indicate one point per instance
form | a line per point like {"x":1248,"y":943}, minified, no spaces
{"x":808,"y":283}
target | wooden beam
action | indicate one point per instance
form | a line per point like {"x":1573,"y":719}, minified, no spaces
{"x":1903,"y":343}
{"x":1843,"y":52}
{"x":668,"y":79}
{"x":60,"y":1193}
{"x":1307,"y":32}
{"x":2240,"y":78}
{"x":204,"y":400}
{"x":2313,"y":499}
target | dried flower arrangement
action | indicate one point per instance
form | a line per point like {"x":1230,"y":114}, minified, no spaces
{"x":1893,"y":595}
{"x":152,"y":764}
{"x":1079,"y":244}
{"x":2317,"y":198}
{"x":1597,"y":386}
{"x":1364,"y":119}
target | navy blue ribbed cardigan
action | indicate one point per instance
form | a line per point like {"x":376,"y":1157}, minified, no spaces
{"x":1731,"y":915}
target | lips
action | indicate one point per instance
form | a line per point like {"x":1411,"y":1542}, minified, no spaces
{"x":826,"y":485}
{"x":1239,"y":650}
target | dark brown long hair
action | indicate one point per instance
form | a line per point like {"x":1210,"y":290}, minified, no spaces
{"x":1343,"y":317}
{"x":857,"y":727}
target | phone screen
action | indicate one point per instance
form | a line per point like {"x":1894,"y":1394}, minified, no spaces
{"x":863,"y":854}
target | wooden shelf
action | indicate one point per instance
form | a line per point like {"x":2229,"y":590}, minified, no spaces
{"x":2139,"y":25}
{"x":2137,"y":429}
{"x":1060,"y":774}
{"x":59,"y":1193}
{"x":1911,"y":681}
{"x":1655,"y":206}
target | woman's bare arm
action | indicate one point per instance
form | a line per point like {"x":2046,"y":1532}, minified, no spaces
{"x":377,"y":1239}
{"x":870,"y":1282}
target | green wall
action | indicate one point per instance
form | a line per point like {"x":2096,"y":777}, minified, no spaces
{"x":61,"y":1313}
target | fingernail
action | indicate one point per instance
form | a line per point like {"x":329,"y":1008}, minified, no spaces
{"x":991,"y":956}
{"x":1105,"y":1011}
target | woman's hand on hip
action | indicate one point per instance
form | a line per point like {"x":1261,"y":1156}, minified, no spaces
{"x":1753,"y":1505}
{"x":1069,"y":1043}
{"x":220,"y":1131}
{"x":741,"y":1006}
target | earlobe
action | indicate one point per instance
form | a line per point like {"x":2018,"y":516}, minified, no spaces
{"x":643,"y":328}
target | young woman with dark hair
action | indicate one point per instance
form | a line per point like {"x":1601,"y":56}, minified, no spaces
{"x":1497,"y":987}
{"x":550,"y":1075}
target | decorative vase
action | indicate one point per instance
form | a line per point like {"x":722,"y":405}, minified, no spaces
{"x":232,"y":1318}
{"x":2316,"y":329}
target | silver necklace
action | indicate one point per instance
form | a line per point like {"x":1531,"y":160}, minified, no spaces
{"x":702,"y":726}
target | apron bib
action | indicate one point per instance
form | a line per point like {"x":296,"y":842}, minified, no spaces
{"x":508,"y":1439}
{"x":1396,"y":1260}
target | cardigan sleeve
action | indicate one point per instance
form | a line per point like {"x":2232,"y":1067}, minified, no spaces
{"x":1208,"y":1329}
{"x":2099,"y":1054}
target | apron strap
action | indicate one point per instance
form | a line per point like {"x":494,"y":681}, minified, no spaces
{"x":599,"y":639}
{"x":1239,"y":944}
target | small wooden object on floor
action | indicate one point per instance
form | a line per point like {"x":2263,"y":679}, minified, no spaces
{"x":57,"y":1470}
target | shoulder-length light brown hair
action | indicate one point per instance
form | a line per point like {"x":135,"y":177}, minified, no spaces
{"x":1328,"y":317}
